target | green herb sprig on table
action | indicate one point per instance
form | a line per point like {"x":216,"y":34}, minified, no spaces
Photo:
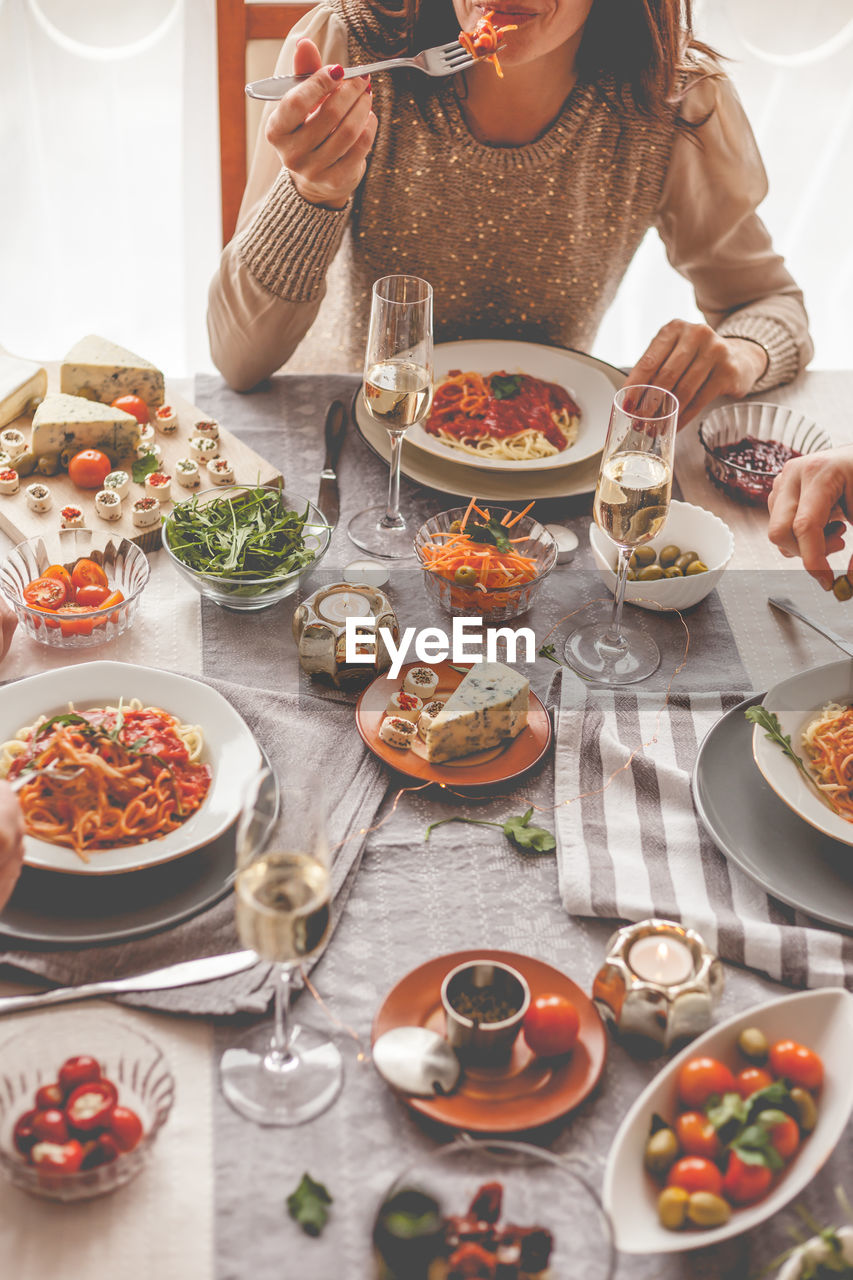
{"x":309,"y":1205}
{"x":518,"y":830}
{"x":769,"y":722}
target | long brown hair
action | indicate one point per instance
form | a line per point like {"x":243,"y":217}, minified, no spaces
{"x":635,"y":51}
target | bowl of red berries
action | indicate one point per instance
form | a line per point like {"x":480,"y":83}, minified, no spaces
{"x":747,"y":444}
{"x":85,"y":1095}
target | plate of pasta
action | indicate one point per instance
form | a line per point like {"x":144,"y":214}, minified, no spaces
{"x":813,"y":772}
{"x":515,"y":406}
{"x":120,"y":767}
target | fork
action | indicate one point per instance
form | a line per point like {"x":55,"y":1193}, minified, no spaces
{"x":53,"y":770}
{"x":443,"y":60}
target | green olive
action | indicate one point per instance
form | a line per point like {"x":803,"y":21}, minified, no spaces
{"x":673,"y":571}
{"x":650,"y":573}
{"x":806,"y":1109}
{"x":65,"y":457}
{"x":456,"y":526}
{"x":686,"y":558}
{"x":669,"y":555}
{"x":842,"y":588}
{"x":754,"y":1045}
{"x":48,"y":464}
{"x":707,"y":1210}
{"x":25,"y":465}
{"x":465,"y":576}
{"x":672,"y":1207}
{"x":695,"y":566}
{"x":630,"y":576}
{"x":662,"y":1151}
{"x":643,"y":556}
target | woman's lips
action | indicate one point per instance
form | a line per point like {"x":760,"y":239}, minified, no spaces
{"x":502,"y":16}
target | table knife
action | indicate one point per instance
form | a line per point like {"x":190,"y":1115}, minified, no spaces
{"x":328,"y":499}
{"x":186,"y":974}
{"x":788,"y":606}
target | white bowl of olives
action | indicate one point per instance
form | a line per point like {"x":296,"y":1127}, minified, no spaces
{"x":677,"y":568}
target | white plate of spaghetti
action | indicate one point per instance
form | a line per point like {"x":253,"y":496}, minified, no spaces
{"x":161,"y":764}
{"x":515,"y":406}
{"x":815,"y":710}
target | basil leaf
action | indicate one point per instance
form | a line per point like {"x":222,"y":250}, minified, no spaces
{"x":755,"y":1146}
{"x":728,"y":1115}
{"x":491,"y":533}
{"x":308,"y":1205}
{"x":144,"y":466}
{"x":505,"y":386}
{"x":517,"y":830}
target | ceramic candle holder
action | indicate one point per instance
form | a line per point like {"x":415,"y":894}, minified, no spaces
{"x":319,"y":629}
{"x":672,"y":997}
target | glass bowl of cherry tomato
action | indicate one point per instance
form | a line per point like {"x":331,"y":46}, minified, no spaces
{"x":75,"y":588}
{"x":85,"y":1095}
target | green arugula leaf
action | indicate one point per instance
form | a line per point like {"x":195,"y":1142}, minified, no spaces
{"x":492,"y":533}
{"x":144,"y":466}
{"x":517,"y":829}
{"x":308,"y":1205}
{"x":505,"y":386}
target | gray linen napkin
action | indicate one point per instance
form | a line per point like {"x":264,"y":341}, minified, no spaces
{"x":631,"y":846}
{"x":295,"y":731}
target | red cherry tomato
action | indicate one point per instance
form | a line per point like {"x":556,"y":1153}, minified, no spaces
{"x":92,"y":597}
{"x":61,"y":573}
{"x":45,"y":593}
{"x":90,"y":1105}
{"x":751,"y":1079}
{"x":703,"y":1078}
{"x":23,"y":1137}
{"x":77,"y":1071}
{"x":49,"y":1095}
{"x":69,"y":625}
{"x":551,"y":1025}
{"x":55,"y":1157}
{"x":88,"y":574}
{"x":697,"y":1135}
{"x":785,"y":1136}
{"x":89,"y":468}
{"x":796,"y":1063}
{"x":133,"y":405}
{"x":745,"y":1183}
{"x":126,"y":1128}
{"x":50,"y":1126}
{"x":693,"y":1173}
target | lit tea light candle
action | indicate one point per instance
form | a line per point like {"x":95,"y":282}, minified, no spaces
{"x":667,"y":961}
{"x":340,"y":605}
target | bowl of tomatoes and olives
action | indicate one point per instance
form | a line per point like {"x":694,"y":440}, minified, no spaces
{"x":75,"y":588}
{"x":734,"y":1127}
{"x":84,"y":1098}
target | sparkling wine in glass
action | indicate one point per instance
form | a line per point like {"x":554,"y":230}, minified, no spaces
{"x":289,"y":1073}
{"x":397,"y":393}
{"x":631,"y":505}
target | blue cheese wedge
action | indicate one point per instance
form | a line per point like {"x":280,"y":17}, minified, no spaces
{"x":428,"y":716}
{"x":65,"y":422}
{"x":23,"y":384}
{"x":489,"y":706}
{"x":105,"y":371}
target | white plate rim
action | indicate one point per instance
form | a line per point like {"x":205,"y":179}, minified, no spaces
{"x":228,"y":739}
{"x":779,"y":772}
{"x":804,"y":1167}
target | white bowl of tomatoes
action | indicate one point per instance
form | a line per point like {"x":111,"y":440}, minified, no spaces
{"x":75,"y":588}
{"x":85,"y":1095}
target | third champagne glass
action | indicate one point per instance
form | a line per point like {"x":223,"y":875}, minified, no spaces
{"x":397,"y":393}
{"x":631,"y":506}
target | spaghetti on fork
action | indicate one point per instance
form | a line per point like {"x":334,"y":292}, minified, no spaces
{"x":483,"y":41}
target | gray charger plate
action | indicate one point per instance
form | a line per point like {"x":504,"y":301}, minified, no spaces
{"x":754,"y":829}
{"x":58,"y":910}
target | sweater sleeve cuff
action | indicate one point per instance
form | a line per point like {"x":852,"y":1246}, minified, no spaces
{"x":783,"y":356}
{"x":290,"y":243}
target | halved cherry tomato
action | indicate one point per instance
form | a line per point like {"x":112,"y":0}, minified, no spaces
{"x":59,"y":571}
{"x":50,"y":1095}
{"x":88,"y":574}
{"x":551,"y":1025}
{"x":693,"y":1173}
{"x":92,"y":597}
{"x":703,"y":1078}
{"x":91,"y":1104}
{"x":697,"y":1135}
{"x":89,"y":468}
{"x":115,"y":598}
{"x":71,"y":626}
{"x":785,"y":1136}
{"x":23,"y":1137}
{"x":796,"y":1063}
{"x":45,"y":593}
{"x":126,"y":1128}
{"x":78,"y":1070}
{"x":745,"y":1183}
{"x":134,"y":405}
{"x":751,"y":1079}
{"x":50,"y":1125}
{"x":55,"y":1157}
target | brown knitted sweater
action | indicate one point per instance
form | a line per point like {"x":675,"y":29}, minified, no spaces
{"x":528,"y":242}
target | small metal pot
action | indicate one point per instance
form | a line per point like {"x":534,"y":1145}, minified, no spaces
{"x":487,"y":1043}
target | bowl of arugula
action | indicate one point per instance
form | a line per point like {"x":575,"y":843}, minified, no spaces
{"x":245,"y":547}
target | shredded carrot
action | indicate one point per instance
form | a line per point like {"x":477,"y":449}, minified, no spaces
{"x":516,"y":519}
{"x":467,"y":513}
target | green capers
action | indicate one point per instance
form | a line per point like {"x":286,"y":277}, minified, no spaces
{"x":707,"y":1210}
{"x":806,"y":1109}
{"x":642,"y":556}
{"x":662,"y":1151}
{"x":672,"y":571}
{"x":842,"y":588}
{"x":754,"y":1045}
{"x":669,"y":555}
{"x":465,"y":576}
{"x":25,"y":464}
{"x":672,"y":1207}
{"x":686,"y":558}
{"x":650,"y":573}
{"x":695,"y":566}
{"x":48,"y":464}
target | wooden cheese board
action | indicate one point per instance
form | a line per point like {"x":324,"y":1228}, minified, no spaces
{"x":19,"y":522}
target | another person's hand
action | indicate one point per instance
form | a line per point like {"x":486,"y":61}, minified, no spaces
{"x":323,"y":130}
{"x":697,"y":365}
{"x":11,"y":841}
{"x":809,"y":507}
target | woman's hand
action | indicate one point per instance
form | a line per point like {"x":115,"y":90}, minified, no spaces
{"x":809,"y":505}
{"x":323,"y":130}
{"x":697,"y":365}
{"x":11,"y":841}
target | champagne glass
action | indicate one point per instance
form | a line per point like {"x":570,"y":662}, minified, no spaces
{"x":289,"y":1073}
{"x":397,"y":393}
{"x":631,"y":506}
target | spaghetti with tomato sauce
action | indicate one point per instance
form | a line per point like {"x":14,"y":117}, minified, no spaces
{"x":139,"y":776}
{"x":514,"y":417}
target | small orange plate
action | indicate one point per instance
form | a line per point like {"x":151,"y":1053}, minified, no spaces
{"x":528,"y":1091}
{"x":499,"y":764}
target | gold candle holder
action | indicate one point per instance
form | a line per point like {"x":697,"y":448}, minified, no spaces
{"x":319,"y":629}
{"x":658,"y":985}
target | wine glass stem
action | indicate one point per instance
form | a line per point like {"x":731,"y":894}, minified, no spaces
{"x":280,"y":1054}
{"x":614,"y":633}
{"x":393,"y":519}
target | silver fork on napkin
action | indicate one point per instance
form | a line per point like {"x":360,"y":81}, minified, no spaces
{"x":443,"y":60}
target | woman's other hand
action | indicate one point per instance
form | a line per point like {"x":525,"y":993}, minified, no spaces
{"x":696,"y":364}
{"x":809,"y":505}
{"x":11,"y":841}
{"x":323,"y":130}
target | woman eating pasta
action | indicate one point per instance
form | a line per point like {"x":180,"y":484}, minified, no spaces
{"x":522,"y":199}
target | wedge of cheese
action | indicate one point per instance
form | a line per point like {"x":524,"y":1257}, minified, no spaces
{"x":21,"y":382}
{"x":69,"y":422}
{"x":489,"y":706}
{"x":102,"y":370}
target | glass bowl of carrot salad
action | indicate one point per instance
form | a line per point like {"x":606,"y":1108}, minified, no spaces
{"x":485,"y":561}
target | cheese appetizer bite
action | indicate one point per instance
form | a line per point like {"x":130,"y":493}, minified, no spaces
{"x":406,"y":705}
{"x":202,"y":448}
{"x":119,"y":482}
{"x":9,"y":480}
{"x":145,"y":512}
{"x":206,"y":427}
{"x":397,"y":732}
{"x":108,"y":504}
{"x":39,"y":497}
{"x":12,"y":443}
{"x":428,"y":716}
{"x":166,"y":420}
{"x":422,"y":681}
{"x":72,"y":518}
{"x":187,"y":473}
{"x":220,"y":471}
{"x":159,"y":485}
